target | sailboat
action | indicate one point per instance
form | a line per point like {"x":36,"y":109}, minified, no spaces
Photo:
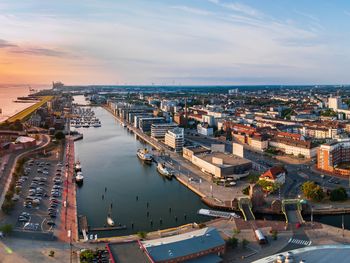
{"x":110,"y":221}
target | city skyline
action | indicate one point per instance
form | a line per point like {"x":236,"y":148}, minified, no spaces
{"x":175,"y":42}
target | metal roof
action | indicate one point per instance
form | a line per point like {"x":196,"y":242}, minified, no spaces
{"x":184,"y":244}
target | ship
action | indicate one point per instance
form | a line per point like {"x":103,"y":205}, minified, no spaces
{"x":79,"y":178}
{"x":77,"y":166}
{"x":110,"y":220}
{"x":161,"y":168}
{"x":144,"y":155}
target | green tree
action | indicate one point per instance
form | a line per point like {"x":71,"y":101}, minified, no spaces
{"x":245,"y":243}
{"x":338,"y":194}
{"x":87,"y":255}
{"x":274,"y":234}
{"x":312,"y":191}
{"x":59,"y":135}
{"x":232,"y":242}
{"x":142,"y":234}
{"x":6,"y":229}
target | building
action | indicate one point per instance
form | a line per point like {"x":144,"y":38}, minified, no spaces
{"x":190,"y":151}
{"x":209,"y":119}
{"x":258,"y":142}
{"x":204,"y":129}
{"x":158,"y":130}
{"x":334,"y":103}
{"x":275,"y":174}
{"x":145,"y":123}
{"x":175,"y":139}
{"x":332,"y":157}
{"x":221,"y":165}
{"x":204,"y":245}
{"x":294,"y":147}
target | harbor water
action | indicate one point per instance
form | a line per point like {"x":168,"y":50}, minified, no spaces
{"x":141,"y":199}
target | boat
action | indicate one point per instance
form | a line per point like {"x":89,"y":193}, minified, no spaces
{"x":96,"y":124}
{"x":79,"y":178}
{"x":86,"y":125}
{"x":144,"y":155}
{"x":110,"y":220}
{"x":77,"y":166}
{"x":124,"y":124}
{"x":161,"y":168}
{"x":77,"y":125}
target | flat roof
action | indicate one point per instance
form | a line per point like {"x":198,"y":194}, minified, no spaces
{"x":228,"y":159}
{"x":319,"y":254}
{"x":184,"y":244}
{"x":128,"y":252}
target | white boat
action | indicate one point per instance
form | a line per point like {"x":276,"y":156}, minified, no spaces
{"x":144,"y":155}
{"x":77,"y":126}
{"x":110,"y":221}
{"x":96,"y":125}
{"x":79,"y":178}
{"x":77,"y":166}
{"x":86,"y":125}
{"x":161,"y":168}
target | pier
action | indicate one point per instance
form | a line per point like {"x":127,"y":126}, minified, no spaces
{"x":68,"y":229}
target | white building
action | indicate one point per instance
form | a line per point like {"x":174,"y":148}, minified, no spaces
{"x":208,"y":119}
{"x":158,"y":130}
{"x":204,"y":129}
{"x":334,"y":103}
{"x":175,"y":139}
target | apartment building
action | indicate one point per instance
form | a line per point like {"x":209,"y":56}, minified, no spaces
{"x":331,"y":157}
{"x":145,"y":124}
{"x":158,"y":130}
{"x":175,"y":139}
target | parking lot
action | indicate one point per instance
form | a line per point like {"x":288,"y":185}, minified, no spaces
{"x":39,"y":201}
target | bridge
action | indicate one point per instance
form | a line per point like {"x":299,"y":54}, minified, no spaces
{"x":291,"y":208}
{"x":28,"y":111}
{"x":245,"y":205}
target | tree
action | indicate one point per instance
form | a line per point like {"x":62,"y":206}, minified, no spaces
{"x":232,"y":242}
{"x":59,"y":135}
{"x":245,"y":243}
{"x":338,"y":194}
{"x":253,"y":177}
{"x":274,"y":234}
{"x":6,"y":229}
{"x":142,"y":234}
{"x":312,"y":191}
{"x":87,"y":255}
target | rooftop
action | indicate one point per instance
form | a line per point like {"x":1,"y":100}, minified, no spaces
{"x":127,"y":252}
{"x":228,"y":159}
{"x":319,"y":254}
{"x":183,"y":244}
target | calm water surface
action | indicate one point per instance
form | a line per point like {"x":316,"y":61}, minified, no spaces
{"x":108,"y":157}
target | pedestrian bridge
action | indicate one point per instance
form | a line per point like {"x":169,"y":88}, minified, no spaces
{"x":245,"y":205}
{"x":291,"y":209}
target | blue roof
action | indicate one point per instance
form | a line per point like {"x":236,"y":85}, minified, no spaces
{"x":183,"y":244}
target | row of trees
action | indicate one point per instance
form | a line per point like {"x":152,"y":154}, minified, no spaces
{"x":314,"y":192}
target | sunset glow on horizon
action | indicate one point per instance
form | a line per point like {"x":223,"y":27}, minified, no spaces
{"x":174,"y":42}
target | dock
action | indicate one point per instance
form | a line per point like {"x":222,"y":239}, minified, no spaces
{"x":108,"y":228}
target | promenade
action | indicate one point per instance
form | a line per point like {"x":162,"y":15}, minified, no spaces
{"x":68,"y":228}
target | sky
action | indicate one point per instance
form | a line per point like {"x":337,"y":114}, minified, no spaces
{"x":183,"y":42}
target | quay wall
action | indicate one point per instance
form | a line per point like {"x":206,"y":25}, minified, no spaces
{"x":209,"y":202}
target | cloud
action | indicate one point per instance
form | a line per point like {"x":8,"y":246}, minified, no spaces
{"x":238,"y":7}
{"x":192,"y":10}
{"x":38,"y":51}
{"x":6,"y":44}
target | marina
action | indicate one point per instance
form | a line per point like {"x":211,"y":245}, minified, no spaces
{"x":143,"y":200}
